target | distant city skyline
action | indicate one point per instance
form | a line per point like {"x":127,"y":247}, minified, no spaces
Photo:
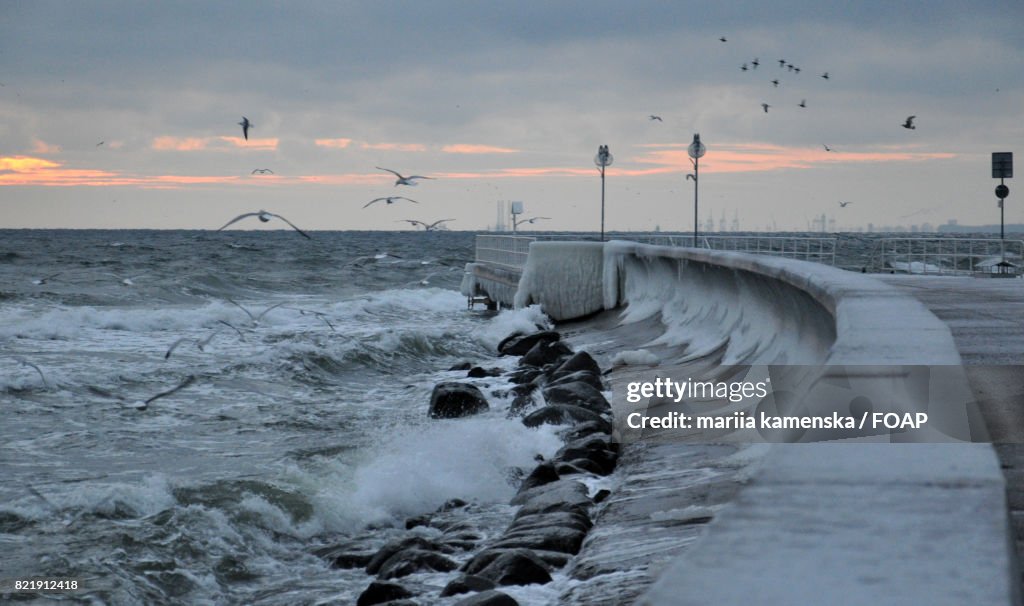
{"x":121,"y":115}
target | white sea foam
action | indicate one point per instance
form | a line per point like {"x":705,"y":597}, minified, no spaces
{"x":525,"y":320}
{"x":635,"y":357}
{"x":416,"y":470}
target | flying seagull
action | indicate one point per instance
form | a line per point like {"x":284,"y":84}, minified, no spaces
{"x":825,"y":75}
{"x":743,"y":67}
{"x":765,"y":106}
{"x":99,"y":144}
{"x":755,"y":63}
{"x":255,"y":319}
{"x":431,"y":227}
{"x":532,"y":220}
{"x":722,"y":39}
{"x":188,"y":381}
{"x":45,"y":279}
{"x":827,"y":148}
{"x":652,"y":118}
{"x":390,"y":200}
{"x":265,"y":216}
{"x":261,"y":171}
{"x":909,"y":123}
{"x":200,"y":343}
{"x":775,"y":83}
{"x":39,"y":370}
{"x":803,"y":103}
{"x":246,"y":125}
{"x":782,"y":63}
{"x":403,"y":180}
{"x":844,"y":204}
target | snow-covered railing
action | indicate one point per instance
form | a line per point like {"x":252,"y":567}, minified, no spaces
{"x":805,"y":248}
{"x":955,"y":256}
{"x":505,"y":251}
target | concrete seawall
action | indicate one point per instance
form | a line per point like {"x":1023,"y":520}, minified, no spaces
{"x":824,"y":522}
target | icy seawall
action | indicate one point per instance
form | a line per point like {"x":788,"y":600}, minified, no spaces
{"x":847,"y":522}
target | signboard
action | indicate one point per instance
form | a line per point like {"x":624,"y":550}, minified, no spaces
{"x":1002,"y":165}
{"x":517,"y":208}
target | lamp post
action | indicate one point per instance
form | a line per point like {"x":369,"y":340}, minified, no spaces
{"x":516,"y":210}
{"x":603,"y":159}
{"x":696,"y":150}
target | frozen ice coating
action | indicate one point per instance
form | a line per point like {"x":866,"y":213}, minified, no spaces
{"x":551,"y":267}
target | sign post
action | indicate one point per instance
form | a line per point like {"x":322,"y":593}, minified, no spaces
{"x":1002,"y":168}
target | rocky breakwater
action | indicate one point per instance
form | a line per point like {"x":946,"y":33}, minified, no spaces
{"x":551,"y":385}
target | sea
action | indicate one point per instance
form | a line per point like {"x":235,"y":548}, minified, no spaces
{"x":192,"y":417}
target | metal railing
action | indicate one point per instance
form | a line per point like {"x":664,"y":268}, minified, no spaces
{"x":806,"y":248}
{"x":504,"y":251}
{"x":950,"y":256}
{"x":512,"y":251}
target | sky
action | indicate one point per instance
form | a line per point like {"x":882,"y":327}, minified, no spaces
{"x":125,"y":114}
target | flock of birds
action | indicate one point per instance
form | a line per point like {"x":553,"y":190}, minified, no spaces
{"x":791,"y":68}
{"x":400,"y":179}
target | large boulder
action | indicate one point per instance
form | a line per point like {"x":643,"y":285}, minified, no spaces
{"x":516,"y":567}
{"x":548,"y":538}
{"x":542,"y":474}
{"x":563,"y":495}
{"x":409,"y":561}
{"x":577,"y":393}
{"x":391,"y":548}
{"x":592,"y":379}
{"x":565,"y":414}
{"x":488,"y":598}
{"x":581,"y":360}
{"x":467,"y":583}
{"x":451,"y":400}
{"x":519,"y":344}
{"x":544,"y":353}
{"x":380,"y":593}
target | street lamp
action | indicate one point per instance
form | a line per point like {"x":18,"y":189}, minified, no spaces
{"x":696,"y":150}
{"x":603,"y":159}
{"x":516,"y":210}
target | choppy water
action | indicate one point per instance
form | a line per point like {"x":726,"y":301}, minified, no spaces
{"x":298,"y":431}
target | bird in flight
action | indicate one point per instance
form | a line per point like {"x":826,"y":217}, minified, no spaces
{"x":652,"y":118}
{"x":722,"y":39}
{"x":765,"y":106}
{"x":431,"y":227}
{"x":25,"y":362}
{"x":796,"y":69}
{"x":909,"y":123}
{"x":188,"y":381}
{"x":803,"y":103}
{"x":246,"y":125}
{"x":825,"y":75}
{"x":531,"y":220}
{"x":99,"y":144}
{"x":261,"y":171}
{"x":45,"y":279}
{"x":755,"y":63}
{"x":254,"y":317}
{"x":390,"y":200}
{"x":844,"y":204}
{"x":743,"y":67}
{"x":782,"y":63}
{"x":403,"y":180}
{"x":775,"y":83}
{"x":827,"y":148}
{"x":265,"y":216}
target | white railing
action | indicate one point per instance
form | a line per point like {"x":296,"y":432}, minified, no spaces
{"x":512,"y":251}
{"x":806,"y":248}
{"x":955,"y":256}
{"x":504,"y":251}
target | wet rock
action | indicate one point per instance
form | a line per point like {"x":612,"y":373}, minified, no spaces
{"x":478,"y":372}
{"x":563,"y":495}
{"x":584,"y":376}
{"x":588,"y":466}
{"x":577,"y":393}
{"x":551,"y":559}
{"x":519,"y":345}
{"x":380,"y":593}
{"x":583,"y":430}
{"x":520,"y":405}
{"x":516,"y":567}
{"x":565,"y":414}
{"x":409,"y":561}
{"x":488,"y":598}
{"x":549,"y":538}
{"x":420,"y":520}
{"x":581,"y":360}
{"x":565,"y":519}
{"x":542,"y":474}
{"x":601,"y":495}
{"x":467,"y":583}
{"x":351,"y":560}
{"x":525,"y":375}
{"x":545,"y":353}
{"x":452,"y":400}
{"x":461,"y":366}
{"x":390,"y":549}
